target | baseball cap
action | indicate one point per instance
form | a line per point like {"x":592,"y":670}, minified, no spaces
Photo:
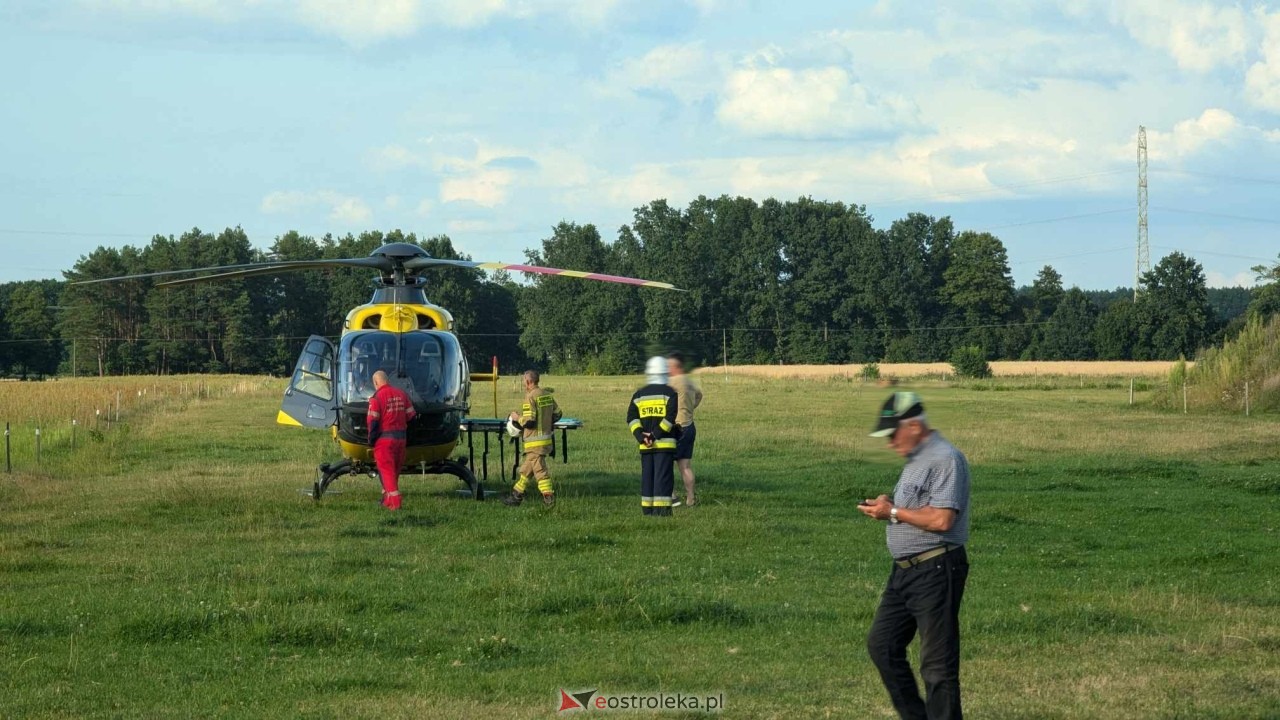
{"x":900,"y":406}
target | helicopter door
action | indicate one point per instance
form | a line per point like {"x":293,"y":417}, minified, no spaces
{"x":310,"y":400}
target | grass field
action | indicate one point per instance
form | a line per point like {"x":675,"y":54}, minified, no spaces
{"x":1125,"y":563}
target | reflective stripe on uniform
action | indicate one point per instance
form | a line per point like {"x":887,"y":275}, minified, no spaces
{"x":651,"y":406}
{"x":635,"y":425}
{"x":531,"y":444}
{"x":666,"y":426}
{"x":662,"y":502}
{"x":646,"y":501}
{"x":663,"y":444}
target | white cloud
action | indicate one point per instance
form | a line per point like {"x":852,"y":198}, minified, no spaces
{"x":391,"y":202}
{"x":941,"y":168}
{"x":1199,"y":36}
{"x":483,"y":177}
{"x":686,"y":71}
{"x":1216,"y":279}
{"x":217,"y":10}
{"x":479,"y":227}
{"x":343,"y":209}
{"x":393,"y":157}
{"x":360,"y":22}
{"x":1190,"y":136}
{"x":814,"y":102}
{"x":285,"y":202}
{"x":487,"y":187}
{"x":1262,"y":82}
{"x":424,"y":208}
{"x":364,"y":22}
{"x":346,"y":209}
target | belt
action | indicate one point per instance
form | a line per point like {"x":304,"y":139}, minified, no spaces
{"x":926,"y":555}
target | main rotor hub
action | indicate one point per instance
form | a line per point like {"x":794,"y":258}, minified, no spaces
{"x":399,"y":252}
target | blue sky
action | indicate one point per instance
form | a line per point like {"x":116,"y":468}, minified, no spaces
{"x":492,"y":120}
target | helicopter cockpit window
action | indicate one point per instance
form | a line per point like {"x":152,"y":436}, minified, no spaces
{"x":314,"y":375}
{"x":362,"y":355}
{"x":431,"y":362}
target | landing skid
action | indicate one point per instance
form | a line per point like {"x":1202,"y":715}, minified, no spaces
{"x":328,"y":472}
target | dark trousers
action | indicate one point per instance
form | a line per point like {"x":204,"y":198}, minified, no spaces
{"x":924,"y":598}
{"x":657,"y":481}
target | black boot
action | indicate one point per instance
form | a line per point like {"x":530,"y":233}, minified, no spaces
{"x":515,"y":498}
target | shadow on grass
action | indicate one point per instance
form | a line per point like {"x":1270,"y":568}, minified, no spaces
{"x":1062,"y":625}
{"x":604,"y":612}
{"x":29,"y":565}
{"x":20,"y":627}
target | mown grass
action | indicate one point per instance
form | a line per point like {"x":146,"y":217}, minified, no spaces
{"x":1124,"y":565}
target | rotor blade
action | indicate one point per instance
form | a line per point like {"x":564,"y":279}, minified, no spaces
{"x":277,"y":269}
{"x":416,"y":263}
{"x":278,"y":266}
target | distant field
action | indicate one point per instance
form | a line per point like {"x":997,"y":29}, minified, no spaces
{"x":1123,"y":562}
{"x":1000,"y":368}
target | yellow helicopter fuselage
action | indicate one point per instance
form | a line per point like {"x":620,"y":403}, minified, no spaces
{"x":402,"y":322}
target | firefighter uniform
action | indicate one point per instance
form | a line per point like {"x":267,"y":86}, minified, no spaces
{"x":538,"y":416}
{"x":390,"y":411}
{"x":652,"y":414}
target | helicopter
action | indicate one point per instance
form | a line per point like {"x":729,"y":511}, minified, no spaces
{"x":401,"y":333}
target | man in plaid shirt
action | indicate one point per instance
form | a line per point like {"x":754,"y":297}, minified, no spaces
{"x":928,"y":526}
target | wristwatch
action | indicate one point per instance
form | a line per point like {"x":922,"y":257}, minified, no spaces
{"x":893,"y":516}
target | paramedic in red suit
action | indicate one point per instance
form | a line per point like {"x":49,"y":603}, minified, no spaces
{"x":389,"y":414}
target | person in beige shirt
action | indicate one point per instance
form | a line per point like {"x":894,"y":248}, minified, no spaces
{"x":690,"y":396}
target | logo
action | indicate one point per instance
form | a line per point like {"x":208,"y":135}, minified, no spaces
{"x":574,"y":701}
{"x":592,"y":700}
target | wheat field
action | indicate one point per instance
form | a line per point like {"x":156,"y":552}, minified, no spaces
{"x":1000,"y":368}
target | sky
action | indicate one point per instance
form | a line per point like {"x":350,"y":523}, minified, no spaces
{"x":493,"y":120}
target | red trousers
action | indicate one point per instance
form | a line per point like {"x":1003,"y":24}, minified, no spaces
{"x":388,"y":453}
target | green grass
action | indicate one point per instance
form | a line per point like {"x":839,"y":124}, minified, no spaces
{"x":1125,"y":564}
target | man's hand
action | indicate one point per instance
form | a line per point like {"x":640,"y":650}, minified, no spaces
{"x":648,"y":440}
{"x":877,"y":509}
{"x":514,"y":416}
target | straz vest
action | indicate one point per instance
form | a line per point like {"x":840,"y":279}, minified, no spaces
{"x":653,"y":410}
{"x":538,"y":416}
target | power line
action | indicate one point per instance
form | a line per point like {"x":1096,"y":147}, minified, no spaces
{"x":1227,"y":216}
{"x":1072,"y":255}
{"x":639,"y":333}
{"x":1212,"y":252}
{"x":1218,"y":176}
{"x":1060,"y":218}
{"x":997,"y":188}
{"x":67,"y":233}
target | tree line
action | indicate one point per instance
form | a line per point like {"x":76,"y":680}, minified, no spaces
{"x":801,"y":281}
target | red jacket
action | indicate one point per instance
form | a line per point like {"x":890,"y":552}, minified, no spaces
{"x":389,"y":414}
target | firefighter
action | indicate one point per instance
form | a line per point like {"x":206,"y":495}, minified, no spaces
{"x":536,"y":420}
{"x":651,"y":417}
{"x":390,"y":411}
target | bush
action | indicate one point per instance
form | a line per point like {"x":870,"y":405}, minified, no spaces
{"x":870,"y":371}
{"x":970,"y":361}
{"x":1218,"y":379}
{"x":1178,"y":374}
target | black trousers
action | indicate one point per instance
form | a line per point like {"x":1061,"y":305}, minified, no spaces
{"x":925,"y":599}
{"x":657,"y":482}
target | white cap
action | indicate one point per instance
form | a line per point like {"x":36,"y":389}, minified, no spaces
{"x":655,"y":370}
